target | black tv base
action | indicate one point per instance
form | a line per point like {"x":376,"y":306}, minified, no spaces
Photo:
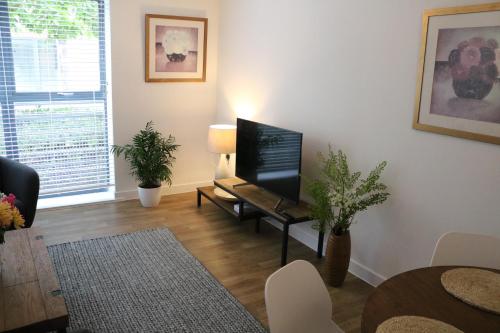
{"x":263,"y":203}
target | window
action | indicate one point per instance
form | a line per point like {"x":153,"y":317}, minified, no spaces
{"x":53,"y":84}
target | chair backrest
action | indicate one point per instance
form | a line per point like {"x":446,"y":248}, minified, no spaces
{"x":463,"y":249}
{"x":297,"y":300}
{"x":24,"y":183}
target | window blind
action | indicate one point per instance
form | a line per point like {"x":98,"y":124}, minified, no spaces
{"x":53,"y":84}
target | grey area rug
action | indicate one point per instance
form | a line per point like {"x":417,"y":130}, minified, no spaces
{"x":144,"y":282}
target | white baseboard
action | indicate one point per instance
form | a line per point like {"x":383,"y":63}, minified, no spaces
{"x":166,"y":190}
{"x":366,"y":274}
{"x":310,"y":239}
{"x":296,"y":232}
{"x":107,"y":197}
{"x":75,"y":200}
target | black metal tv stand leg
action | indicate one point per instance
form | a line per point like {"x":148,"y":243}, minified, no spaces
{"x":198,"y":201}
{"x":284,"y":246}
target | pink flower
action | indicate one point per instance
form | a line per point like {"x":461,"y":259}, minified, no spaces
{"x":459,"y":72}
{"x":477,"y":42}
{"x":471,"y":56}
{"x":11,"y":199}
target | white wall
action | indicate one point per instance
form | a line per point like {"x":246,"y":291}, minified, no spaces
{"x":344,"y":72}
{"x":183,"y":109}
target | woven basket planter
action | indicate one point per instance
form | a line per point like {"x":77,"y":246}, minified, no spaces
{"x":338,"y":255}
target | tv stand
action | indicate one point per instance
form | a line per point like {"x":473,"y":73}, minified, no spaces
{"x":264,"y":204}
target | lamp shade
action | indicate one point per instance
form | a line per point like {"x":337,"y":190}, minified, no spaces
{"x":222,"y":139}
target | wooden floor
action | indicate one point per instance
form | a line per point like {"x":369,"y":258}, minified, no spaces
{"x":238,"y":257}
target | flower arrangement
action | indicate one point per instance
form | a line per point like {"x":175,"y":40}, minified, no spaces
{"x":473,"y":67}
{"x":176,"y":45}
{"x":10,"y":216}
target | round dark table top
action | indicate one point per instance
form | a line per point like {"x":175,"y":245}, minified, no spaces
{"x":419,"y":293}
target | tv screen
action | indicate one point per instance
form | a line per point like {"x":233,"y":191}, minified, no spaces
{"x":269,"y":157}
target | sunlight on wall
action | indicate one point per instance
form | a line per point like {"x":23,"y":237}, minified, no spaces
{"x":245,"y":104}
{"x":244,"y":110}
{"x":245,"y":99}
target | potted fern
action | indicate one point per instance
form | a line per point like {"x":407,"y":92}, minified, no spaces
{"x":150,"y":156}
{"x":337,"y":196}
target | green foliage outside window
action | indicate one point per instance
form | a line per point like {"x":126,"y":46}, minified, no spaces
{"x":58,"y":19}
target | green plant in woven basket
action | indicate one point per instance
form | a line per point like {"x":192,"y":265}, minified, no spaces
{"x":338,"y":194}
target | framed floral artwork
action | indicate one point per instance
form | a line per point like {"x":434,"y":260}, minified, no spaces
{"x":176,"y":48}
{"x":458,"y":88}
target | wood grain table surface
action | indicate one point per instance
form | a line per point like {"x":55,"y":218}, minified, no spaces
{"x":420,"y":293}
{"x":30,"y":299}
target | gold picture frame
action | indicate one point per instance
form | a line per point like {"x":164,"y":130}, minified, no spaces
{"x":176,"y":48}
{"x":428,"y":116}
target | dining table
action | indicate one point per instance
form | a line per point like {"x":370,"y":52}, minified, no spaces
{"x":419,"y":292}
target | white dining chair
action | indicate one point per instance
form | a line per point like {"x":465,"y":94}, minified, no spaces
{"x":464,"y":249}
{"x":297,"y":300}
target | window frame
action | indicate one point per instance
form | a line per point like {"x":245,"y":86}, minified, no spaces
{"x":10,"y":96}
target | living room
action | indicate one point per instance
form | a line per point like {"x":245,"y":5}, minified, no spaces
{"x":356,"y":79}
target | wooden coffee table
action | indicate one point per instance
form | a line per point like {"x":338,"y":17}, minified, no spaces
{"x":30,"y":295}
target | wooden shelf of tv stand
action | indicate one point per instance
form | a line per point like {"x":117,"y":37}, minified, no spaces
{"x":265,"y":201}
{"x":227,"y":206}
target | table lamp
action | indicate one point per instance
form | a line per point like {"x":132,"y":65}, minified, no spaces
{"x":222,"y":140}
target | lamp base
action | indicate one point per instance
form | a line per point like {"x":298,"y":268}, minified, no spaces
{"x":224,"y":167}
{"x":221,"y":194}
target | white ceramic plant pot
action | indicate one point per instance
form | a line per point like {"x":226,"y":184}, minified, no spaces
{"x":149,"y":197}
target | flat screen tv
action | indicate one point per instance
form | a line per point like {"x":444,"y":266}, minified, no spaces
{"x":269,"y":157}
